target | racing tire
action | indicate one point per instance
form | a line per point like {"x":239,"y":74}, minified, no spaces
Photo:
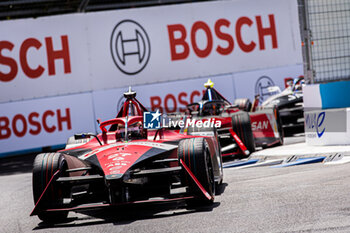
{"x":243,"y":104}
{"x":44,"y":167}
{"x":208,"y":131}
{"x":242,"y":127}
{"x":279,"y":126}
{"x":195,"y":154}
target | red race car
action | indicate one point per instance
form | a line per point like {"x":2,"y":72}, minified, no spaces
{"x":241,"y":128}
{"x":126,"y":164}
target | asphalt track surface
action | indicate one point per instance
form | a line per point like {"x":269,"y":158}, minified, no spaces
{"x":305,"y":198}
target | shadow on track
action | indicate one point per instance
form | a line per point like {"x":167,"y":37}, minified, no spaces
{"x":17,"y":164}
{"x":221,"y":189}
{"x":127,"y":215}
{"x":22,"y":163}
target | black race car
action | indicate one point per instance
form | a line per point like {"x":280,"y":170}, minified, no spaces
{"x":290,"y":106}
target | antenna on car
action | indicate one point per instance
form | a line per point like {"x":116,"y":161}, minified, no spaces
{"x":209,"y":84}
{"x":130,"y":94}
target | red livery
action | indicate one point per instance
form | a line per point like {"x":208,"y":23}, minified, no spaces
{"x":126,"y":164}
{"x":242,"y":128}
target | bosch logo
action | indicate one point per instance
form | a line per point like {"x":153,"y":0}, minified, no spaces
{"x":130,"y":47}
{"x":261,"y":87}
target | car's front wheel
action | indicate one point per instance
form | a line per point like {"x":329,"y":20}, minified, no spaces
{"x":44,"y":167}
{"x":195,"y":154}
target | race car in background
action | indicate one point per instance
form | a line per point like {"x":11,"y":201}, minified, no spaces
{"x":127,"y":164}
{"x":241,"y":131}
{"x":289,"y":104}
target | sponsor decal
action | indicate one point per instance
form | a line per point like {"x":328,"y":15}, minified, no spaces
{"x":34,"y":123}
{"x":30,"y":68}
{"x":262,"y":88}
{"x":130,"y":47}
{"x":260,"y":125}
{"x":172,"y":102}
{"x":99,"y":150}
{"x":315,"y":121}
{"x":183,"y":40}
{"x":152,"y":144}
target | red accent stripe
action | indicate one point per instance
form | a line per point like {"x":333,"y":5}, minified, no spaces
{"x":229,"y":154}
{"x":206,"y":194}
{"x":44,"y":192}
{"x":273,"y":143}
{"x":239,"y":141}
{"x":189,"y":153}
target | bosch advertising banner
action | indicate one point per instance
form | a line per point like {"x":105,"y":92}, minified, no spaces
{"x":174,"y":96}
{"x":50,"y":121}
{"x":167,"y":97}
{"x":43,"y":57}
{"x":76,"y":53}
{"x":59,"y":74}
{"x":192,"y":40}
{"x":39,"y":123}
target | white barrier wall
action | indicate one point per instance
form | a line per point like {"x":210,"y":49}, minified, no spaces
{"x":169,"y":96}
{"x":312,"y":97}
{"x":327,"y":116}
{"x":251,"y":83}
{"x":174,"y":96}
{"x":75,"y":53}
{"x":44,"y":122}
{"x":50,"y":121}
{"x":90,"y":59}
{"x":43,"y":57}
{"x":327,"y":127}
{"x":192,"y":40}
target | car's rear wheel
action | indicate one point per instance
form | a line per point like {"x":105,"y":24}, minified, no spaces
{"x":279,"y":126}
{"x":242,"y":127}
{"x":243,"y":104}
{"x":195,"y":154}
{"x":44,"y":167}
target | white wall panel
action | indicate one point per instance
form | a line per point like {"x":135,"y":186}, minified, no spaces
{"x":44,"y":122}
